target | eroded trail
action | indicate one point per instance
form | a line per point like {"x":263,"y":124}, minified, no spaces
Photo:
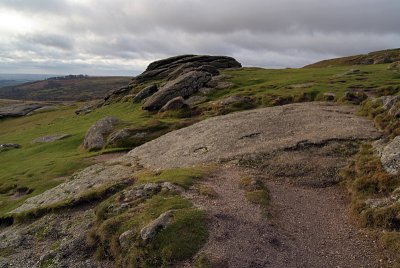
{"x":307,"y":227}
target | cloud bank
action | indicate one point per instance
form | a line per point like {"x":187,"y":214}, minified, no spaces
{"x":121,"y":37}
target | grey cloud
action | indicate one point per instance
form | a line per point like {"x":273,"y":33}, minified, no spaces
{"x":115,"y":34}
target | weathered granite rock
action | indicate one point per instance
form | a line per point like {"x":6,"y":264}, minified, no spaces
{"x":96,"y":136}
{"x":51,"y":138}
{"x":89,"y":179}
{"x":145,"y":93}
{"x":390,"y":156}
{"x":127,"y":137}
{"x":17,"y":110}
{"x":392,"y":105}
{"x":149,"y":231}
{"x":193,"y":100}
{"x":260,"y":131}
{"x":184,"y":86}
{"x":394,"y":66}
{"x":174,"y":104}
{"x":163,"y":68}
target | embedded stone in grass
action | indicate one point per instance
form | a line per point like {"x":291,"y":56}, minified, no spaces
{"x":9,"y":146}
{"x":390,"y":156}
{"x":148,"y":232}
{"x":51,"y":138}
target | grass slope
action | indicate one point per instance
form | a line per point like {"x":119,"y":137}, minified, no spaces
{"x":383,"y":56}
{"x":37,"y":167}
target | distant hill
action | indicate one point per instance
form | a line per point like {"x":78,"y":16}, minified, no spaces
{"x":17,"y":79}
{"x":377,"y":57}
{"x":64,"y":88}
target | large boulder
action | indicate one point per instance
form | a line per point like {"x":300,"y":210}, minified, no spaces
{"x":97,"y":134}
{"x":145,"y":93}
{"x":184,"y":86}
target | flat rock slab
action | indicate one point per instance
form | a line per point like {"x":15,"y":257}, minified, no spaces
{"x":257,"y":131}
{"x":91,"y":178}
{"x":51,"y":138}
{"x":16,"y":110}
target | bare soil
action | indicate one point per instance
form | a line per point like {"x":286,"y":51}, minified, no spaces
{"x":305,"y":227}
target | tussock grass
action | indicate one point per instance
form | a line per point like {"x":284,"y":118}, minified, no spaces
{"x":366,"y":179}
{"x":179,"y":241}
{"x":255,"y":191}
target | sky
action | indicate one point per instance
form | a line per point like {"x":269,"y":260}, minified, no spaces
{"x":121,"y":37}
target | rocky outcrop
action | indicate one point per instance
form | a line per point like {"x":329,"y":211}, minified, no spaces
{"x":172,"y":71}
{"x":184,"y":86}
{"x":176,"y":65}
{"x":17,"y":110}
{"x":252,"y":132}
{"x":51,"y":138}
{"x":174,"y":104}
{"x":149,"y":231}
{"x":145,"y":93}
{"x":97,"y":134}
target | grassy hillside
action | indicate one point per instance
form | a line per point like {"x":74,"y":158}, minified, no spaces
{"x":36,"y":167}
{"x":78,"y":88}
{"x":377,"y":57}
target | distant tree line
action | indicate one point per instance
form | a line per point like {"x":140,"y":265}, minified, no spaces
{"x":66,"y":77}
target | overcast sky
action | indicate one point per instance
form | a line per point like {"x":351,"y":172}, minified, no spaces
{"x":120,"y":37}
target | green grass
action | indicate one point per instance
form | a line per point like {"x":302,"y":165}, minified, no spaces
{"x":255,"y":191}
{"x":184,"y":177}
{"x":37,"y":166}
{"x":366,"y":179}
{"x":267,"y":84}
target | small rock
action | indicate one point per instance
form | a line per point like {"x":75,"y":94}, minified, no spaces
{"x":9,"y":146}
{"x":125,"y":239}
{"x":174,"y":104}
{"x":145,"y":93}
{"x":355,"y":97}
{"x":51,"y":138}
{"x":151,"y":187}
{"x":394,"y":66}
{"x":172,"y":187}
{"x":329,"y":96}
{"x":149,"y":231}
{"x":390,"y":156}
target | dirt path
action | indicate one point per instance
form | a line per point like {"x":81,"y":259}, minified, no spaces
{"x":309,"y":227}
